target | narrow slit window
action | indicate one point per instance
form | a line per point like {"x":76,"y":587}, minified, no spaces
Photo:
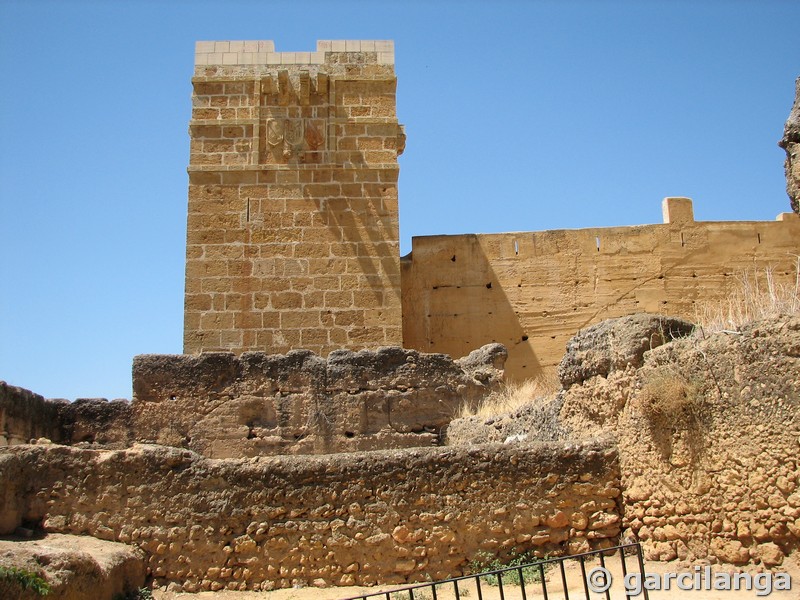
{"x":516,"y":247}
{"x":597,"y":242}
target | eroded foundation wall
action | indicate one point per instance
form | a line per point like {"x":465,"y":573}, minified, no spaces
{"x":709,"y":439}
{"x":532,"y":291}
{"x":25,"y":416}
{"x":222,"y":405}
{"x":292,"y":234}
{"x":386,"y":517}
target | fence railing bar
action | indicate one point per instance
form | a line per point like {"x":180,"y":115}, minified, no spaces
{"x":624,"y":570}
{"x":500,"y":585}
{"x":520,"y":569}
{"x":544,"y":583}
{"x":564,"y":579}
{"x":640,"y":557}
{"x":522,"y":583}
{"x":603,"y":564}
{"x":582,"y":561}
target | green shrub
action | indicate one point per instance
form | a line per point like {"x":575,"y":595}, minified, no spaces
{"x":530,"y":573}
{"x":23,"y":579}
{"x":140,"y":594}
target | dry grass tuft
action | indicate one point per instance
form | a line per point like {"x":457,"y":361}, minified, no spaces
{"x":758,"y":297}
{"x":668,"y":397}
{"x":513,"y":395}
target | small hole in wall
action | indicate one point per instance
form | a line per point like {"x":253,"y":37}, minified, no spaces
{"x":173,"y":397}
{"x":524,"y":338}
{"x":489,"y":285}
{"x":349,"y":434}
{"x":454,"y":258}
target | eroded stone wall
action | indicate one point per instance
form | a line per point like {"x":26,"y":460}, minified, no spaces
{"x":708,"y":430}
{"x":222,"y":405}
{"x":26,"y":416}
{"x":790,"y":142}
{"x":292,"y":236}
{"x":388,"y":517}
{"x":533,"y":291}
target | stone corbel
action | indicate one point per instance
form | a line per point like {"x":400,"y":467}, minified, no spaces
{"x":322,"y":84}
{"x":284,"y":87}
{"x":305,"y":88}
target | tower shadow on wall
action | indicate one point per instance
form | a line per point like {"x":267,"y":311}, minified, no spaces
{"x":460,"y":305}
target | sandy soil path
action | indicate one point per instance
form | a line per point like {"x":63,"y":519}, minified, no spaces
{"x":533,"y":591}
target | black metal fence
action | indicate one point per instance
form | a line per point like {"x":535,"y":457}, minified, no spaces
{"x":608,"y":574}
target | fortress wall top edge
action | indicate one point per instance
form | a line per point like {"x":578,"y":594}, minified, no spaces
{"x":781,"y":220}
{"x":262,"y":52}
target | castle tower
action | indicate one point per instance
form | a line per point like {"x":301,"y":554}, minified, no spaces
{"x":292,"y":234}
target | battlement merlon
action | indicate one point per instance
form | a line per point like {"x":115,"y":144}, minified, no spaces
{"x":262,"y":53}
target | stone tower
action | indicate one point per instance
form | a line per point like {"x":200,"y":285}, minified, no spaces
{"x":292,"y":234}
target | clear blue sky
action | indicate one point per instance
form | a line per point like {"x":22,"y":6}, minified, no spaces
{"x":520,"y":116}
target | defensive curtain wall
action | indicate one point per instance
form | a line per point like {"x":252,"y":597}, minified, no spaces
{"x":292,"y":238}
{"x":532,"y":291}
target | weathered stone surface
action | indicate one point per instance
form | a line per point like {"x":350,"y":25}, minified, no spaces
{"x":296,"y":520}
{"x":513,"y":427}
{"x":75,"y":567}
{"x":26,"y":416}
{"x":222,"y":405}
{"x":616,"y":344}
{"x":709,"y":437}
{"x":790,"y":142}
{"x":97,"y":421}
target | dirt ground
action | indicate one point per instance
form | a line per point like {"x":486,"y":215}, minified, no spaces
{"x":533,"y":590}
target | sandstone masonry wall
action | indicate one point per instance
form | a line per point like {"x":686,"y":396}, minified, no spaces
{"x":222,"y":406}
{"x":387,"y":517}
{"x":532,"y":291}
{"x":26,"y":416}
{"x":292,"y":234}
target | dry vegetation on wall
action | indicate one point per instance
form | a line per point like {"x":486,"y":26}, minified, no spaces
{"x":758,"y":297}
{"x":668,"y":396}
{"x":511,"y":396}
